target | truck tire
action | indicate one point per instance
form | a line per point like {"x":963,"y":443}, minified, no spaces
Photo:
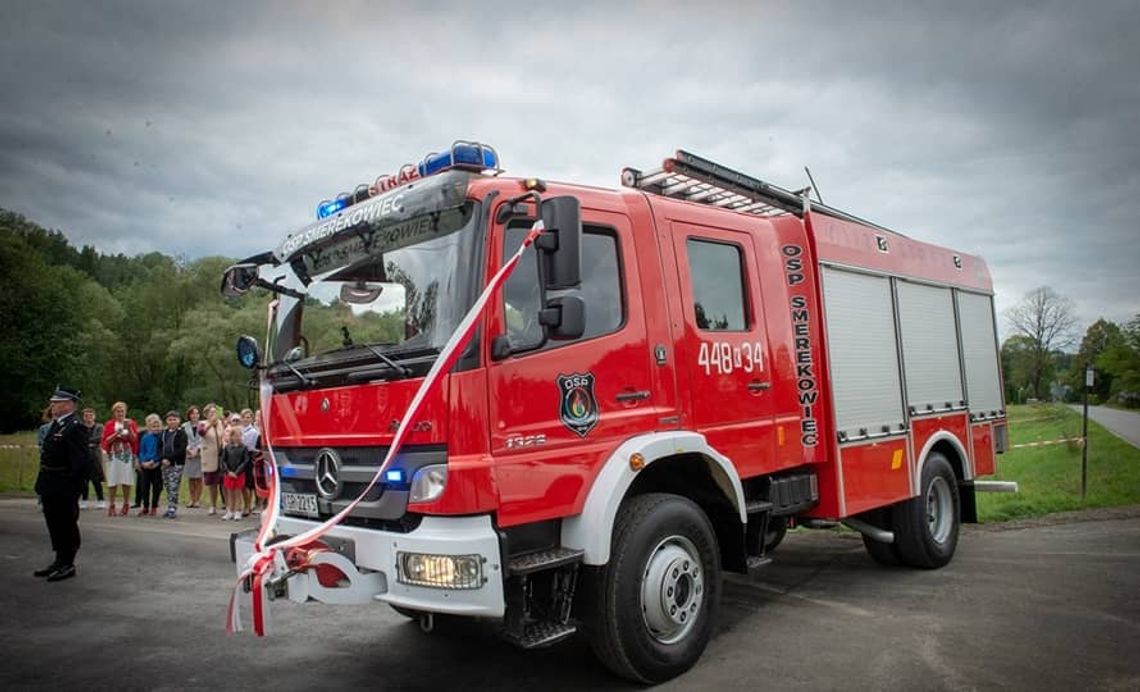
{"x":926,"y":527}
{"x":654,"y":604}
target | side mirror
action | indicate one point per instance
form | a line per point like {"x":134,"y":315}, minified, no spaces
{"x":238,"y":279}
{"x":561,"y":244}
{"x":248,"y":352}
{"x":564,"y":318}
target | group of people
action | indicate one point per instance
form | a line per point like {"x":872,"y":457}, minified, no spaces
{"x":211,"y":450}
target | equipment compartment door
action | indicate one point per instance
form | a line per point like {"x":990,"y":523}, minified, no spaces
{"x":724,"y":344}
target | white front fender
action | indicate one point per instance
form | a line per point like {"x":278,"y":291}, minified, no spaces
{"x":592,"y":530}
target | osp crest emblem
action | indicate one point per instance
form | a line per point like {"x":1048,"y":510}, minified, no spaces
{"x":578,"y":407}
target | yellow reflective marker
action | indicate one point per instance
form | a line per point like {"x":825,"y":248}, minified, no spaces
{"x":896,"y":460}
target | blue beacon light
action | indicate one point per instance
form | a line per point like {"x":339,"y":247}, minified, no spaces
{"x":331,"y":206}
{"x":394,"y":476}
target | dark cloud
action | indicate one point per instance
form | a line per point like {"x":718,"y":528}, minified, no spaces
{"x":1005,"y":129}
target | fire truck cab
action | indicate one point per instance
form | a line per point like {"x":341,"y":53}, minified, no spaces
{"x":675,"y":373}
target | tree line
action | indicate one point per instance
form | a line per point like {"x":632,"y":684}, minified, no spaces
{"x":150,"y":329}
{"x":1036,"y":362}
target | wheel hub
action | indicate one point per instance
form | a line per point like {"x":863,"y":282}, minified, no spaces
{"x":672,"y":589}
{"x":939,"y":509}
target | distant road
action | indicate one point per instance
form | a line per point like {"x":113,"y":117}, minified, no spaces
{"x":1125,"y":424}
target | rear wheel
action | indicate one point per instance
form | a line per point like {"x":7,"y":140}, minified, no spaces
{"x":653,"y":605}
{"x":926,"y":527}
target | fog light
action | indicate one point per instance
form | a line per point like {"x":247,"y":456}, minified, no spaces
{"x":428,"y":483}
{"x":440,"y":571}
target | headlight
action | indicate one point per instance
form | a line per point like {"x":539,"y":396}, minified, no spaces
{"x":428,"y":483}
{"x":440,"y":571}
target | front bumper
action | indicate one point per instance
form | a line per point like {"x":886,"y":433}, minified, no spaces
{"x":368,"y":558}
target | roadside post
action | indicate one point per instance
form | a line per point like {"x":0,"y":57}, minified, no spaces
{"x":1085,"y":433}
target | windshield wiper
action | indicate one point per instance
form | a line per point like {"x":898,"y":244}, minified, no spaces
{"x":305,"y":381}
{"x":404,"y":370}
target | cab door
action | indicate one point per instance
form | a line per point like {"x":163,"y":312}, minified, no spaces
{"x":558,"y":410}
{"x":722,"y":343}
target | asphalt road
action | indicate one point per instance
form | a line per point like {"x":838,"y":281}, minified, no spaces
{"x":1123,"y":424}
{"x":1043,"y":608}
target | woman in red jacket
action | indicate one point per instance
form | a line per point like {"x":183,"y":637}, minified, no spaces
{"x":121,"y":443}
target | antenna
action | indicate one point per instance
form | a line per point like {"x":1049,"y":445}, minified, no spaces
{"x":815,"y":187}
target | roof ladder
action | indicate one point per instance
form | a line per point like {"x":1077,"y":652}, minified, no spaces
{"x":692,"y":178}
{"x":695,"y":179}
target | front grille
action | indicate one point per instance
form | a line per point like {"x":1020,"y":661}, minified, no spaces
{"x":384,"y":502}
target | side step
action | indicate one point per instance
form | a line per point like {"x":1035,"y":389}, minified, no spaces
{"x":541,"y":633}
{"x":551,"y":558}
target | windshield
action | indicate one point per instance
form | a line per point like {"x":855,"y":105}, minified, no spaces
{"x":399,"y":289}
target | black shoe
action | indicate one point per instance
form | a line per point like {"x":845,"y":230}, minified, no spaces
{"x":61,"y":573}
{"x":136,"y":505}
{"x":46,"y":571}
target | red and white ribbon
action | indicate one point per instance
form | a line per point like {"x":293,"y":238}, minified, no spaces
{"x":271,"y":562}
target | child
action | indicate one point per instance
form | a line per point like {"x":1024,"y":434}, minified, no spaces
{"x":149,"y":470}
{"x":172,"y":451}
{"x":233,"y":462}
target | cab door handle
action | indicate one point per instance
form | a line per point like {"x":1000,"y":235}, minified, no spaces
{"x":756,"y":386}
{"x":630,"y":396}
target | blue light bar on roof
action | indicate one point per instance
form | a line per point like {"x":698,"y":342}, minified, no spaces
{"x":468,"y":156}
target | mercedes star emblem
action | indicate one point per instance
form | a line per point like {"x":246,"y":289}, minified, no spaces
{"x":328,"y":474}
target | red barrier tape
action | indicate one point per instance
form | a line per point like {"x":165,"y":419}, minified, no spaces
{"x":272,"y":562}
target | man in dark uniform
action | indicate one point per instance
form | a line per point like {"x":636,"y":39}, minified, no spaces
{"x":64,"y":463}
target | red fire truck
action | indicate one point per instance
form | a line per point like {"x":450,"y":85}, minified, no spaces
{"x":677,"y":372}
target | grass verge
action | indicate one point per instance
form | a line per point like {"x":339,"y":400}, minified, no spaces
{"x":19,"y":462}
{"x":1050,"y":476}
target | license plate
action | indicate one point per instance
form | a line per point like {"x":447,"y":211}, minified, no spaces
{"x":299,"y":503}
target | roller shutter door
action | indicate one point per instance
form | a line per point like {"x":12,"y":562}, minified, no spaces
{"x":863,"y":353}
{"x":930,"y":347}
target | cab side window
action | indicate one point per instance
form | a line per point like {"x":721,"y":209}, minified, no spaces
{"x":718,"y":285}
{"x":601,"y":289}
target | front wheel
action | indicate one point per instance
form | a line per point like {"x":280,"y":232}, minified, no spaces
{"x":654,"y":604}
{"x":926,"y":527}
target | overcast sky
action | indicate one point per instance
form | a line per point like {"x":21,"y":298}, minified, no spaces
{"x":1011,"y":130}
